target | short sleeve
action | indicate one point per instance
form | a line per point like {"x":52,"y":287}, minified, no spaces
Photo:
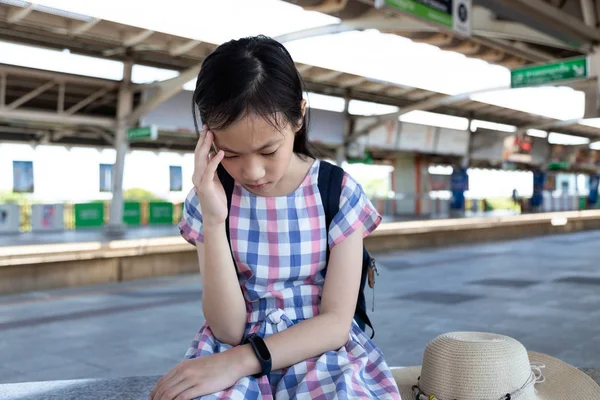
{"x":356,"y":212}
{"x":190,"y":226}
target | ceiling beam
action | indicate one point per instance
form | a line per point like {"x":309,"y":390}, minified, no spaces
{"x":55,"y":118}
{"x":326,"y":76}
{"x":177,"y":50}
{"x":88,"y":100}
{"x":430,"y":103}
{"x":546,"y":125}
{"x":165,"y":90}
{"x":486,"y":24}
{"x":137,"y":38}
{"x":545,"y":17}
{"x":17,"y":14}
{"x":34,"y":93}
{"x":83,"y":27}
{"x":313,"y":32}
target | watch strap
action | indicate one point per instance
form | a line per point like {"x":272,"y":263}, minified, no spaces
{"x":262,"y":353}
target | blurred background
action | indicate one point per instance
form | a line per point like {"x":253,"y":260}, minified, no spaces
{"x":473,"y":126}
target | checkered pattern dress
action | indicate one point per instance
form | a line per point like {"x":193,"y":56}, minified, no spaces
{"x":279,"y":245}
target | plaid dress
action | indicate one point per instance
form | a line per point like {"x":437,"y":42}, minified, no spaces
{"x":279,"y":246}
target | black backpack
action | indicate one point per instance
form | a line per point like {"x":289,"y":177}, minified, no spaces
{"x":330,"y":188}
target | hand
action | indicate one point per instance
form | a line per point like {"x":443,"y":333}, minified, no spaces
{"x":197,"y":377}
{"x":211,"y":194}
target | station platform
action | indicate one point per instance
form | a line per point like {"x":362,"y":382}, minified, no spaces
{"x":145,"y":232}
{"x":93,"y":258}
{"x":113,"y":341}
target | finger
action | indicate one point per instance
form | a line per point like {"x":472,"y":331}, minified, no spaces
{"x":161,"y":381}
{"x":201,"y":137}
{"x":203,"y":146}
{"x":192,"y":393}
{"x":164,"y":388}
{"x":174,"y":392}
{"x":212,"y":166}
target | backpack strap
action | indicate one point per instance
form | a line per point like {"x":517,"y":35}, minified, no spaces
{"x":330,"y":187}
{"x":228,"y":184}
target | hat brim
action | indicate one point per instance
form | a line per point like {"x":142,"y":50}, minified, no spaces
{"x":562,"y":381}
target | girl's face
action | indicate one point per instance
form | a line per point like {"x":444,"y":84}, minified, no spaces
{"x":257,"y":155}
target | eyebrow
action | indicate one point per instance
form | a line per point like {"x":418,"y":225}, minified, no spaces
{"x":265,"y":146}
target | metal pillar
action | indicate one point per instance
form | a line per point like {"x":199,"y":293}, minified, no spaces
{"x":2,"y":90}
{"x":115,"y":225}
{"x":592,"y":97}
{"x":341,"y":150}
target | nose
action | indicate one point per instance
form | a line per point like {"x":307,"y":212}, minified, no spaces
{"x":253,"y":171}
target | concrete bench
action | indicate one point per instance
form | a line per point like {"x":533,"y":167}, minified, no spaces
{"x":130,"y":388}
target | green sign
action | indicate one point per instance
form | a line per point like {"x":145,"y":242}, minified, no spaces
{"x":450,"y":14}
{"x":558,"y":165}
{"x":576,"y":68}
{"x":160,"y":212}
{"x":89,"y":215}
{"x":144,"y":133}
{"x":368,"y":159}
{"x":132,"y":214}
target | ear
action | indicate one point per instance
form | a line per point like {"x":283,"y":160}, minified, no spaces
{"x":303,"y":110}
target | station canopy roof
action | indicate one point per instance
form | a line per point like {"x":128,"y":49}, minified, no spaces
{"x":92,"y":101}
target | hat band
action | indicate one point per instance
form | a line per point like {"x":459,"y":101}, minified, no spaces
{"x":536,"y":376}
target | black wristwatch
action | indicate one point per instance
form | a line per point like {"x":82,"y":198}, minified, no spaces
{"x":262,"y":353}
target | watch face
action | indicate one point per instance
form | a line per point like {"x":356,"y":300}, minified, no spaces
{"x":262,"y":349}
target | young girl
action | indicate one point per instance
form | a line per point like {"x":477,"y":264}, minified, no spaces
{"x":277,"y":326}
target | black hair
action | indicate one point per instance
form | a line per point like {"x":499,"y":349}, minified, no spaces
{"x":253,"y":75}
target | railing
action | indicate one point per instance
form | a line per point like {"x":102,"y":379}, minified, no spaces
{"x":139,"y":217}
{"x":413,"y":205}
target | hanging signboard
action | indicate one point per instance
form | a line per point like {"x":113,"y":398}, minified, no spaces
{"x":517,"y":148}
{"x":47,"y":217}
{"x":142,"y":133}
{"x":454,"y":15}
{"x":439,"y":182}
{"x":23,"y":177}
{"x":106,"y":175}
{"x":175,"y":178}
{"x":558,"y":71}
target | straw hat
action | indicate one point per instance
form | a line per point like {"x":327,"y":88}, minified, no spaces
{"x":486,"y":366}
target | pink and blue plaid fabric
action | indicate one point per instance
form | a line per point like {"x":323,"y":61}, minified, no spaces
{"x":279,"y":245}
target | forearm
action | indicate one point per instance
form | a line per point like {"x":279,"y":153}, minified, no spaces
{"x":222,"y":300}
{"x":307,"y":339}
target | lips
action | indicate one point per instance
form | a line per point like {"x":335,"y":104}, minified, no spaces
{"x":258,"y":187}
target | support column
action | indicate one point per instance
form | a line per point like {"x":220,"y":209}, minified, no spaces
{"x":341,"y":151}
{"x":2,"y":90}
{"x":115,"y":225}
{"x":592,"y":97}
{"x":410,"y":183}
